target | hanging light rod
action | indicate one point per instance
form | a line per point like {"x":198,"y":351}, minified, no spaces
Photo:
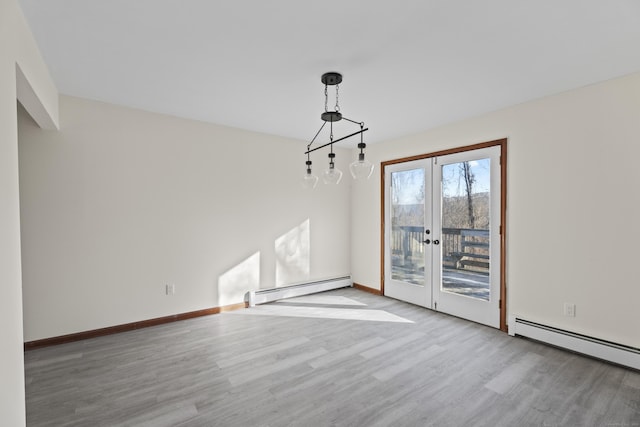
{"x":337,"y":140}
{"x":359,"y":169}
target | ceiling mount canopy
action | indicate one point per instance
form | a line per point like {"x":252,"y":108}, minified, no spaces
{"x":361,"y":168}
{"x":331,"y":78}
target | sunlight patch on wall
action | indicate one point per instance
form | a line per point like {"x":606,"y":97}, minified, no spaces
{"x":293,"y":255}
{"x":234,"y":284}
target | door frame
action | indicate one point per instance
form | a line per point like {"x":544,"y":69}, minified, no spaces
{"x":502,"y":143}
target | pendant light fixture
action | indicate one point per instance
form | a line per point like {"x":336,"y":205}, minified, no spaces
{"x":361,"y":168}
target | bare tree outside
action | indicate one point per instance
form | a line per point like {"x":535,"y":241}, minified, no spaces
{"x":467,"y":176}
{"x":465,"y":196}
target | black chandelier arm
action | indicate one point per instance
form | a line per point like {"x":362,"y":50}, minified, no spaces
{"x":333,"y":142}
{"x":353,"y":121}
{"x":314,"y":138}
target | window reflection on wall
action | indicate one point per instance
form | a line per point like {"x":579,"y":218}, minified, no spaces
{"x":237,"y":281}
{"x":293,"y":255}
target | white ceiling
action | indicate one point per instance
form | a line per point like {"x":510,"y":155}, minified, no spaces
{"x":408,"y":65}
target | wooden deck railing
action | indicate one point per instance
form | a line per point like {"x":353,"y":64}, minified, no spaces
{"x":461,"y":247}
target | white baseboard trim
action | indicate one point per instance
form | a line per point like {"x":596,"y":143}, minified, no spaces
{"x":600,"y":349}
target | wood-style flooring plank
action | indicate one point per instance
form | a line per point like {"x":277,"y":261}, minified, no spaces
{"x":341,"y":358}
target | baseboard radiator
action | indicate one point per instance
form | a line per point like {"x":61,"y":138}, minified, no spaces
{"x":600,"y":349}
{"x":273,"y":294}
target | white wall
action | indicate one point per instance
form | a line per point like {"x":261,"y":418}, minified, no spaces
{"x":120,"y":202}
{"x":17,"y":47}
{"x":572,"y":211}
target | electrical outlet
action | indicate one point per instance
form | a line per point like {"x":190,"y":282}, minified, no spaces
{"x":569,"y":309}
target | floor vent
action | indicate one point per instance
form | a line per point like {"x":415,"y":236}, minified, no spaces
{"x":601,"y":349}
{"x":273,"y":294}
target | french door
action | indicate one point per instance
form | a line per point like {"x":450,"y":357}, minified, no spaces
{"x":442,"y":233}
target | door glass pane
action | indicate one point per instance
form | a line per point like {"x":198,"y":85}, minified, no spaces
{"x":465,"y":228}
{"x":407,"y":226}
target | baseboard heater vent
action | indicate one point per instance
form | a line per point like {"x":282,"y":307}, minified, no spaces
{"x":601,"y":349}
{"x":273,"y":294}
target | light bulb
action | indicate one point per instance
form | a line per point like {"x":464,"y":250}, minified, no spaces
{"x":309,"y":180}
{"x":361,"y":168}
{"x":332,"y":175}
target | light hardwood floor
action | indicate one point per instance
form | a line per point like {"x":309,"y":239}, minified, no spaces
{"x":341,"y":358}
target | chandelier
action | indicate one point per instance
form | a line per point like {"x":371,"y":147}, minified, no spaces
{"x":361,"y":168}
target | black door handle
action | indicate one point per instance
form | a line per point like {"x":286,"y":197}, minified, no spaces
{"x":426,"y":241}
{"x":436,"y":242}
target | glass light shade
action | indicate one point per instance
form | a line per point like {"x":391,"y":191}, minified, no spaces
{"x":361,"y":169}
{"x":309,"y":181}
{"x":332,"y":175}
